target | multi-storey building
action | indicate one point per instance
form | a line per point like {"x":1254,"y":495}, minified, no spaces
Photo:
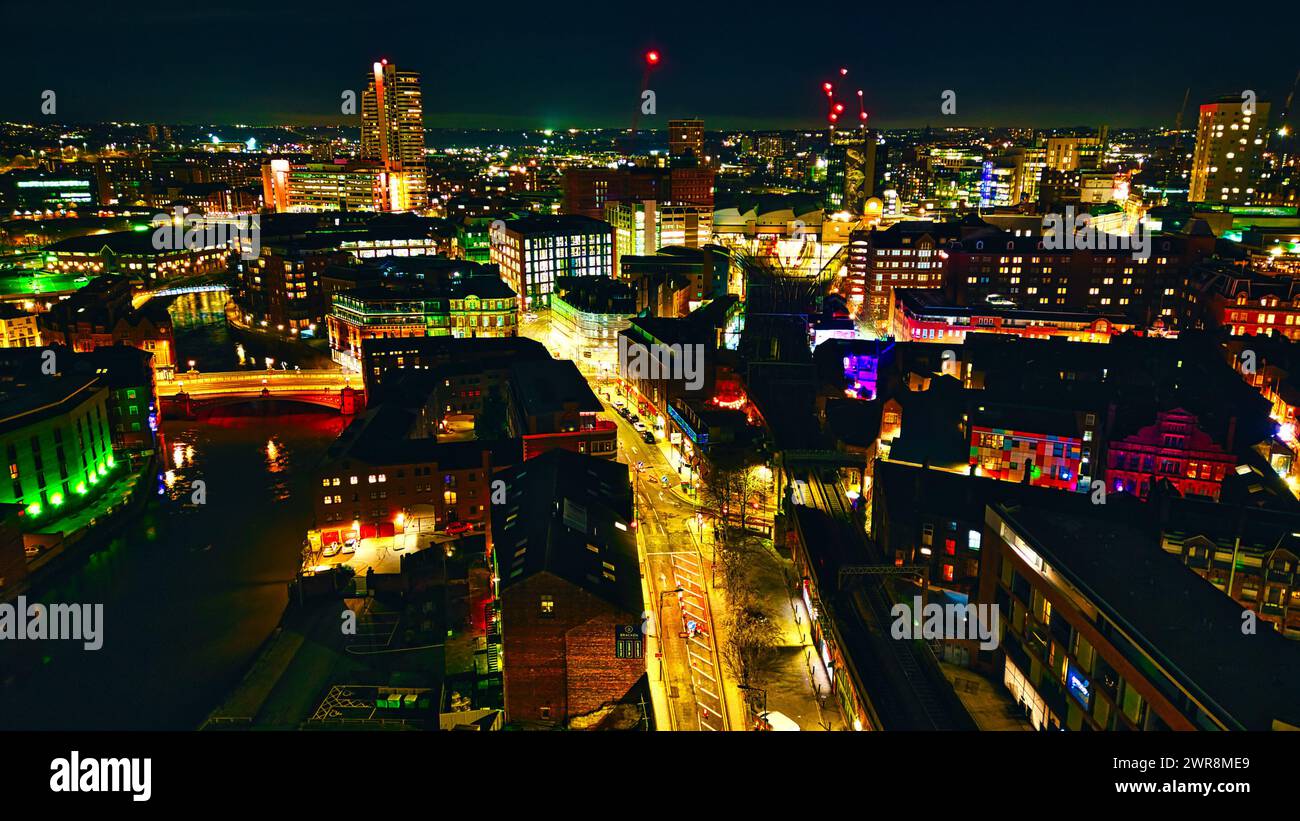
{"x":18,"y":329}
{"x":587,"y":314}
{"x":686,"y":140}
{"x":1254,"y":559}
{"x":905,"y":255}
{"x":476,"y":307}
{"x":850,"y":169}
{"x":566,"y":573}
{"x":101,"y":314}
{"x":392,"y":132}
{"x":281,"y":289}
{"x":54,"y":434}
{"x":384,"y":465}
{"x":1073,"y":153}
{"x":1097,"y":629}
{"x":676,"y":280}
{"x":551,"y":407}
{"x":646,"y":226}
{"x":342,"y":185}
{"x":1041,"y":446}
{"x":587,"y":190}
{"x":533,"y":252}
{"x":925,"y":315}
{"x":135,"y":254}
{"x":1174,"y":449}
{"x":1228,"y":160}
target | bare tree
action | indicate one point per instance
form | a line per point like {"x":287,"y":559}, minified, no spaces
{"x":729,"y":486}
{"x":751,"y":642}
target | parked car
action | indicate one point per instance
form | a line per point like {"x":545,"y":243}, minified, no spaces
{"x":331,"y":549}
{"x":350,"y":546}
{"x":457,"y":528}
{"x":641,"y":427}
{"x":647,"y":437}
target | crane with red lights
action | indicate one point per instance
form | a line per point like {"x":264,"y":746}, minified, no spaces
{"x":652,"y":58}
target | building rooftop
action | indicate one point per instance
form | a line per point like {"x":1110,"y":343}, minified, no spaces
{"x":558,"y":224}
{"x":569,"y":515}
{"x":546,"y":386}
{"x":1184,"y":623}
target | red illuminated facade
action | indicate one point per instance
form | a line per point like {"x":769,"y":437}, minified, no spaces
{"x":1174,"y":448}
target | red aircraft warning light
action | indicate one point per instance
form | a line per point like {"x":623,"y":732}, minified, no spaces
{"x":652,"y":57}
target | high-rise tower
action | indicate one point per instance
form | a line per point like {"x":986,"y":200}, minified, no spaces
{"x":1229,"y":155}
{"x":392,"y":132}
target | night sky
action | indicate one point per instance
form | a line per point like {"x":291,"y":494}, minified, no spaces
{"x":737,"y":64}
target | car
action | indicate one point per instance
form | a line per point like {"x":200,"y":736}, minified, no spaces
{"x":633,"y":418}
{"x":530,"y":317}
{"x":641,"y":427}
{"x":457,"y":528}
{"x":647,"y":437}
{"x":619,"y":403}
{"x":331,"y":549}
{"x":82,"y":279}
{"x":350,"y":546}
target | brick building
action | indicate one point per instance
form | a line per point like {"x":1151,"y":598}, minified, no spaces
{"x":566,"y":560}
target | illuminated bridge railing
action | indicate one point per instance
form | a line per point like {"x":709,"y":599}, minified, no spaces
{"x":188,"y":289}
{"x":256,"y":380}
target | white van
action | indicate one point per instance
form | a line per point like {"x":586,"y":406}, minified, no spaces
{"x":779,"y":721}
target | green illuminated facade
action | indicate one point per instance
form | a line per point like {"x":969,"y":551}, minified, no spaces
{"x":56,"y":442}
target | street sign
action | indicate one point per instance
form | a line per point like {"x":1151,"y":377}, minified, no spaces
{"x":628,"y":641}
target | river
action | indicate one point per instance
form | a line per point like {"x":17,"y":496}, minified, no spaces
{"x":189,"y":593}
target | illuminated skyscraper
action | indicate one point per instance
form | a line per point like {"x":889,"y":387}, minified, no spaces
{"x":1226,"y":165}
{"x":850,"y":169}
{"x":392,"y":131}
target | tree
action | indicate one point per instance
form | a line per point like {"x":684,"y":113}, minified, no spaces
{"x":729,"y":485}
{"x":751,"y":643}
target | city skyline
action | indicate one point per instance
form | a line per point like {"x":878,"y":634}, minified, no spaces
{"x":615,"y":370}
